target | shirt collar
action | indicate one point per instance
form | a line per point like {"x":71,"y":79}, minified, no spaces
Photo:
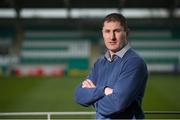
{"x":119,"y":53}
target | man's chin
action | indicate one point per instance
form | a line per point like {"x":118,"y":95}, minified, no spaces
{"x":114,"y":50}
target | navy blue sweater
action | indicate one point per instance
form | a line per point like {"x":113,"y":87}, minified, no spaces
{"x":127,"y":77}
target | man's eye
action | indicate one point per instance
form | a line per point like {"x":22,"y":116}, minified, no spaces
{"x":106,"y":31}
{"x":119,"y":30}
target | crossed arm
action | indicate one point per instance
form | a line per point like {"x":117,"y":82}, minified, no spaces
{"x":87,"y":93}
{"x":89,"y":84}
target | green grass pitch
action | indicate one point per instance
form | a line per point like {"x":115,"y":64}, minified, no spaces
{"x":56,"y":94}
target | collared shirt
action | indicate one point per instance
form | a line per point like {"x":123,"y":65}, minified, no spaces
{"x":119,"y":53}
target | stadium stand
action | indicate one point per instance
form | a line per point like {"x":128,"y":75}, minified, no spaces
{"x":51,"y":53}
{"x":60,"y":53}
{"x":160,"y":49}
{"x":6,"y":56}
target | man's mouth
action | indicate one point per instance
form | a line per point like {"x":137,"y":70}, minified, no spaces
{"x":112,"y":43}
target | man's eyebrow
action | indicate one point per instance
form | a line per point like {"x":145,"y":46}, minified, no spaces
{"x":113,"y":29}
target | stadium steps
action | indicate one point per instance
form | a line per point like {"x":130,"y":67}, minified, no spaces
{"x":46,"y":49}
{"x":160,"y":49}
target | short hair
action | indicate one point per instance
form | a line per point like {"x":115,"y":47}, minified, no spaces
{"x":117,"y":17}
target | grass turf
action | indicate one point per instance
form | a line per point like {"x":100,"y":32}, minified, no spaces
{"x":44,"y":94}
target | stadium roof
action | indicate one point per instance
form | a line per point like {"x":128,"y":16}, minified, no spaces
{"x":74,"y":13}
{"x":90,"y":3}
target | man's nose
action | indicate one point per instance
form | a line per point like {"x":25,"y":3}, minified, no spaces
{"x":112,"y":36}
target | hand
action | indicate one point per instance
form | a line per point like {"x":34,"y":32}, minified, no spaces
{"x":108,"y":91}
{"x":88,"y":84}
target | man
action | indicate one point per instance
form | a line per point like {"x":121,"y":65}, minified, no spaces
{"x":116,"y":84}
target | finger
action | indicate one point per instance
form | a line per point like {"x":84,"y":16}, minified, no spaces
{"x":83,"y":84}
{"x":90,"y":83}
{"x":86,"y":84}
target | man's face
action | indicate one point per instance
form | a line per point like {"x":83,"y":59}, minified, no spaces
{"x":115,"y":38}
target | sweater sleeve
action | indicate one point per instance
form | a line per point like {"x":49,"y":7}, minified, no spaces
{"x":131,"y":82}
{"x":87,"y":96}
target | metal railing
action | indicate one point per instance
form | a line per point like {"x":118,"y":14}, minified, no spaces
{"x":49,"y":114}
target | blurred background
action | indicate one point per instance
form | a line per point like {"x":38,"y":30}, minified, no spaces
{"x":47,"y":47}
